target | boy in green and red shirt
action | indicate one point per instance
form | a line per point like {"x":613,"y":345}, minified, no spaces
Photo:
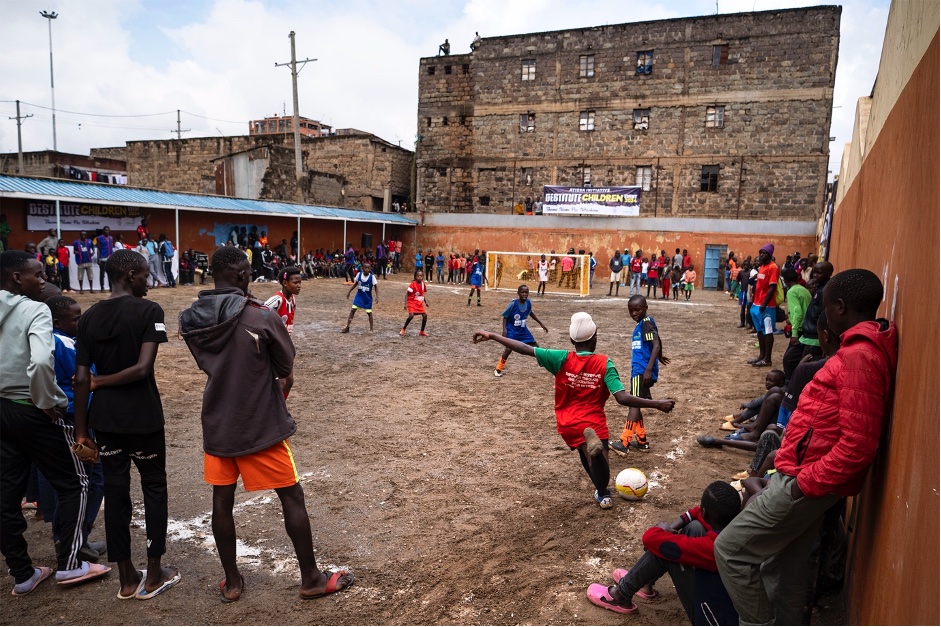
{"x":583,"y":382}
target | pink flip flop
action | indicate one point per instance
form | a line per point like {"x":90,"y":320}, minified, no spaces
{"x":598,"y":595}
{"x":94,"y":572}
{"x":618,"y":573}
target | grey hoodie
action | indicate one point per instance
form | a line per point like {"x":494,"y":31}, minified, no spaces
{"x":27,"y":367}
{"x":243,"y":346}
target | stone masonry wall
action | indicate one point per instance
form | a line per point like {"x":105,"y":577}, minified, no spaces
{"x":774,"y":80}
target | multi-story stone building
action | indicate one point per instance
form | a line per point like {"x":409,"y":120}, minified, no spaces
{"x":725,"y":116}
{"x":285,"y":124}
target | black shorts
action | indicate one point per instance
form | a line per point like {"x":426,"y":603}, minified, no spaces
{"x":638,"y":388}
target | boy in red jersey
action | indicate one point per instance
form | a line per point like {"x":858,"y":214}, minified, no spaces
{"x":415,"y":302}
{"x":583,"y":382}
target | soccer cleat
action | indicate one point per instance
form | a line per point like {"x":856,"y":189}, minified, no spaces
{"x":497,"y":373}
{"x":618,"y":447}
{"x":402,"y":332}
{"x":423,"y":333}
{"x":604,"y":502}
{"x":479,"y":305}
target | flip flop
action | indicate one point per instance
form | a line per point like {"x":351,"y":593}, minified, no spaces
{"x":761,"y":364}
{"x":332,"y":585}
{"x":618,"y":573}
{"x":40,"y":574}
{"x":226,"y":599}
{"x":94,"y":572}
{"x":143,"y":595}
{"x":598,"y":595}
{"x":728,"y":426}
{"x":140,"y":585}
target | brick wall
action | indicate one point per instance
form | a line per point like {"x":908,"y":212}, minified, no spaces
{"x":775,"y":83}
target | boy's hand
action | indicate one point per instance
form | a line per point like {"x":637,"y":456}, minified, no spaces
{"x":92,"y":382}
{"x":664,"y":359}
{"x":666,"y":405}
{"x":481,"y":336}
{"x":54,"y":413}
{"x":86,"y":449}
{"x":544,"y":328}
{"x":647,"y":379}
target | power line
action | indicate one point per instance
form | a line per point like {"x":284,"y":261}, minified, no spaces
{"x":195,"y":115}
{"x":95,"y":115}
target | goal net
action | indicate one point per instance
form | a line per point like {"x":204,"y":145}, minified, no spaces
{"x":566,"y":274}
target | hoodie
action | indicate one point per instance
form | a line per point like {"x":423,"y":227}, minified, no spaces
{"x":27,"y":369}
{"x":833,"y":435}
{"x":243,"y":346}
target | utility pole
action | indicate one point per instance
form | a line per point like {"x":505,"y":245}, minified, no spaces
{"x":179,"y":131}
{"x":298,"y":164}
{"x":19,"y":137}
{"x":52,"y":82}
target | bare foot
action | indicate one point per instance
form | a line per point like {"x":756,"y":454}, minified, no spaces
{"x":127,"y":591}
{"x":156,"y":578}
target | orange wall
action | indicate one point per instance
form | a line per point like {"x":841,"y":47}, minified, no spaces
{"x":604,"y":243}
{"x":888,"y":222}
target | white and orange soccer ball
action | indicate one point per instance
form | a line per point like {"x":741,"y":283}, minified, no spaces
{"x":631,"y":484}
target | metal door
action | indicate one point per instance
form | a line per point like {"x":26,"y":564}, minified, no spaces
{"x":712,"y":271}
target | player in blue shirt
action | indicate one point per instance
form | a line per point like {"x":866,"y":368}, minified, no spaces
{"x":476,"y":280}
{"x":364,"y":283}
{"x":514,"y":325}
{"x":646,"y":356}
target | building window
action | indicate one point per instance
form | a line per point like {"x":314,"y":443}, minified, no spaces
{"x":431,"y":70}
{"x":644,"y":61}
{"x":715,"y":116}
{"x":447,"y":69}
{"x":527,"y":122}
{"x":586,"y":176}
{"x":444,"y":121}
{"x":709,"y":181}
{"x":463,"y":120}
{"x":644,"y":176}
{"x":465,"y":69}
{"x":428,"y":122}
{"x":586,"y":65}
{"x":484,"y":201}
{"x":526,"y":176}
{"x":586,"y":121}
{"x":528,"y":70}
{"x":641,"y":119}
{"x":720,"y":54}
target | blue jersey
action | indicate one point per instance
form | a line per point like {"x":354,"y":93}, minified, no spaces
{"x":64,"y":357}
{"x":516,"y":316}
{"x":364,"y":285}
{"x":642,"y":346}
{"x":477,"y":276}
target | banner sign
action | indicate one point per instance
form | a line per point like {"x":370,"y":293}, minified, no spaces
{"x":594,"y":201}
{"x":41,"y":216}
{"x":827,"y":231}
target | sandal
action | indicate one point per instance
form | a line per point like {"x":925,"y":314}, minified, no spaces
{"x":333,"y":585}
{"x":238,"y":596}
{"x":618,"y":573}
{"x":599,"y":595}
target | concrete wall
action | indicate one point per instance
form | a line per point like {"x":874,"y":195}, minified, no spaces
{"x":887,"y":220}
{"x":776,"y":87}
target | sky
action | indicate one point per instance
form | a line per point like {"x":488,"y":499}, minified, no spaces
{"x":123,"y":68}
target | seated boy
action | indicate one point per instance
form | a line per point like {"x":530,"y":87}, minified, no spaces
{"x":683,"y":548}
{"x":747,"y":436}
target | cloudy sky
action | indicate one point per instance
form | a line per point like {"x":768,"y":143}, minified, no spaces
{"x":123,"y":67}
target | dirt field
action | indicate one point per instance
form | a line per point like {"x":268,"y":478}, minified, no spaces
{"x":446,"y":491}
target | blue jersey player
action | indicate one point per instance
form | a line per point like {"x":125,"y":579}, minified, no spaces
{"x":514,"y":324}
{"x":364,"y":283}
{"x":646,"y":356}
{"x":476,"y":281}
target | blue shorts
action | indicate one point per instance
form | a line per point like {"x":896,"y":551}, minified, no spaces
{"x":764,"y":322}
{"x":525,"y":336}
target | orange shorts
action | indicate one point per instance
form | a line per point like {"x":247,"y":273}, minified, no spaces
{"x":265,"y":470}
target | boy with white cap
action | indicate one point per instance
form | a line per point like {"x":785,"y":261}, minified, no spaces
{"x":583,"y":382}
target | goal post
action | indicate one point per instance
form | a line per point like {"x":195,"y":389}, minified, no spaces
{"x":566,"y":274}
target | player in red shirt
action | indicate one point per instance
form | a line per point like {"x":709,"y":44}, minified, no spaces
{"x":283,"y":303}
{"x":415,"y":302}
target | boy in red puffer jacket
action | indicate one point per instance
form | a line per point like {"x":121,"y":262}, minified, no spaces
{"x":829,"y":443}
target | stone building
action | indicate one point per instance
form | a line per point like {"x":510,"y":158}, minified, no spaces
{"x":356,"y":170}
{"x":63,"y":165}
{"x":724,"y":116}
{"x":285,"y":124}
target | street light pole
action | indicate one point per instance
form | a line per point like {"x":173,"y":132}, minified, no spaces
{"x":298,"y":163}
{"x":52,"y":82}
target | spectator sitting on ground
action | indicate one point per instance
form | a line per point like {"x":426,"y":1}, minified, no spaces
{"x":749,"y":432}
{"x":684,"y":549}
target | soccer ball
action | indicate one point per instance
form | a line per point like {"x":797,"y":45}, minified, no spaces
{"x":631,"y":484}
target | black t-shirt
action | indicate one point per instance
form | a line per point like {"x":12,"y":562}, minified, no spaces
{"x":110,"y":336}
{"x":803,"y":374}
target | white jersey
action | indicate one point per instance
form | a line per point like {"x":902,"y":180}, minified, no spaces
{"x":543,"y":271}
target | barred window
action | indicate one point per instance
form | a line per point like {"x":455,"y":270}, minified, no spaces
{"x":645,"y":61}
{"x":644,"y":176}
{"x":715,"y":116}
{"x":527,"y":122}
{"x":709,"y":181}
{"x":641,"y":119}
{"x":586,"y":121}
{"x":586,"y":65}
{"x":720,"y":54}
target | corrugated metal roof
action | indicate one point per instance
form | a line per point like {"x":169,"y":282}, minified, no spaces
{"x":70,"y":191}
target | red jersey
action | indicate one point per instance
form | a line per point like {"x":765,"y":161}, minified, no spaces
{"x":284,"y":306}
{"x":765,"y":281}
{"x":415,"y":297}
{"x":636,"y":265}
{"x":580,"y":395}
